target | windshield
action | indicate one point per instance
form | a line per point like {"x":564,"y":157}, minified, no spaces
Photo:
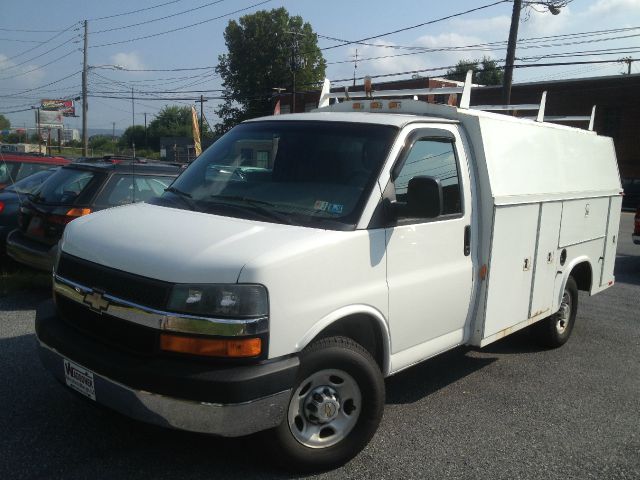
{"x":64,"y":186}
{"x":309,"y":173}
{"x":30,"y":183}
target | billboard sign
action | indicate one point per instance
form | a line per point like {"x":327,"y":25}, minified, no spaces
{"x":66,"y":107}
{"x":49,"y":119}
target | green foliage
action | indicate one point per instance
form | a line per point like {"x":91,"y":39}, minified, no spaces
{"x":101,"y":142}
{"x":259,"y":58}
{"x":485,"y":71}
{"x":5,"y":124}
{"x":13,"y":138}
{"x":132,"y":134}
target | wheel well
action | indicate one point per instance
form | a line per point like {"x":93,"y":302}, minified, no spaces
{"x":581,"y":273}
{"x":361,"y":328}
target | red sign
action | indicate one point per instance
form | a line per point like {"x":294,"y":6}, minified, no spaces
{"x":66,"y":107}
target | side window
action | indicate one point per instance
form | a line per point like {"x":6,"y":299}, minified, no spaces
{"x":27,"y":169}
{"x":119,"y":189}
{"x":432,"y":158}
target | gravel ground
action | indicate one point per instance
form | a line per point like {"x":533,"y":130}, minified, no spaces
{"x":507,"y":411}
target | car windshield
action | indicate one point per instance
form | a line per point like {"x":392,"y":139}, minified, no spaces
{"x":64,"y":186}
{"x":30,"y":183}
{"x":304,"y":172}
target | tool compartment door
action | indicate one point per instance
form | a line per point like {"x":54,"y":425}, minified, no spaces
{"x":611,"y":242}
{"x":511,"y":266}
{"x":544,"y":273}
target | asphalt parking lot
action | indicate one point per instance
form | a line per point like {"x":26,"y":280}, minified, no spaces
{"x":508,"y":411}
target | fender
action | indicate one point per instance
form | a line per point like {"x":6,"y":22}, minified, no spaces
{"x":567,"y":272}
{"x":343,"y":312}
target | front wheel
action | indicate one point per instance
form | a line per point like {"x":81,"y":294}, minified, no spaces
{"x":335,"y":408}
{"x":555,"y":330}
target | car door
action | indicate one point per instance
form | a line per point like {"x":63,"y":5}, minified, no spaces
{"x":429,"y":267}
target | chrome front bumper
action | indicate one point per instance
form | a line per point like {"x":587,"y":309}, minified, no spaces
{"x":227,"y":420}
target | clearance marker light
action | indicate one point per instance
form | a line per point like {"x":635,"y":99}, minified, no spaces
{"x":357,"y":106}
{"x":376,"y":105}
{"x":395,"y":105}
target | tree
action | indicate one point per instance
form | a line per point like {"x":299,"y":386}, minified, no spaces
{"x":171,"y":121}
{"x":132,"y":134}
{"x":5,"y":124}
{"x":485,"y":71}
{"x":261,"y":55}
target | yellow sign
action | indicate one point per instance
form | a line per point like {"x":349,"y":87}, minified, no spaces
{"x":196,"y":131}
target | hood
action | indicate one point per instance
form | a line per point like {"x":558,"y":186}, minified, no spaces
{"x":178,"y":245}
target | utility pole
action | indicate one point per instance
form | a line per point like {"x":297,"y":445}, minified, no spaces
{"x":201,"y":102}
{"x":38,"y":125}
{"x":133,"y":125}
{"x":628,"y":61}
{"x":146,"y":142}
{"x":295,"y":66}
{"x":511,"y":52}
{"x":355,"y":67}
{"x":113,"y":132}
{"x":85,"y":107}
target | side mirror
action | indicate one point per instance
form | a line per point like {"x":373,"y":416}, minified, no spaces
{"x":424,"y":197}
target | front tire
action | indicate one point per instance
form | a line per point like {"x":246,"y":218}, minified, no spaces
{"x":554,"y":331}
{"x":334,"y":410}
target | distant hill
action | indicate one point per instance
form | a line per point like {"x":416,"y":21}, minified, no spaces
{"x":104,"y":131}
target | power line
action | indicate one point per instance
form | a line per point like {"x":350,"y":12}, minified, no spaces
{"x":133,"y":11}
{"x":430,"y":22}
{"x":72,"y":39}
{"x":40,"y":66}
{"x":42,"y":86}
{"x":28,"y":31}
{"x":183,"y":27}
{"x":42,"y":43}
{"x":159,"y":18}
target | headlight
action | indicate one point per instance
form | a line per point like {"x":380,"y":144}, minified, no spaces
{"x":220,"y":300}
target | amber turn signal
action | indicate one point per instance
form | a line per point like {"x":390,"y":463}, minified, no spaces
{"x":232,"y":348}
{"x":78,"y":212}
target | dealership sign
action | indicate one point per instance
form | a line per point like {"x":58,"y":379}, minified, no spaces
{"x":66,"y":107}
{"x":49,"y":119}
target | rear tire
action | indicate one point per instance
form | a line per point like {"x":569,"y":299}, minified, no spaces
{"x":334,"y":410}
{"x":554,"y":331}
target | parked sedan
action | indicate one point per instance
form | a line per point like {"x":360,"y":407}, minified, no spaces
{"x":76,"y":190}
{"x":16,"y":166}
{"x":12,"y":196}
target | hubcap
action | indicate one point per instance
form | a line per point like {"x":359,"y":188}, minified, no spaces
{"x":324,"y":408}
{"x":564,"y":314}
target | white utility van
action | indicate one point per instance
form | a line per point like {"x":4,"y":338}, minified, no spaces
{"x":303,"y":258}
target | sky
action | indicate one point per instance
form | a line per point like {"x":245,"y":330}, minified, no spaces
{"x":41,"y":46}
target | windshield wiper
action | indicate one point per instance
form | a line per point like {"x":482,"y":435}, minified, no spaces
{"x":258,"y":206}
{"x":185,"y":196}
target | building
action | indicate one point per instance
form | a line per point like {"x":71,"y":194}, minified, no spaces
{"x":70,"y":135}
{"x":617,"y":100}
{"x":180,"y":149}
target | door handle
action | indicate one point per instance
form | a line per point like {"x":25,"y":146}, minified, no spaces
{"x":467,"y":240}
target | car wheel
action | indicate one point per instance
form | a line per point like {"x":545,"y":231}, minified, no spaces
{"x":334,"y":410}
{"x":555,"y":330}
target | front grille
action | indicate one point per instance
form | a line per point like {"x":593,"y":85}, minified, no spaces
{"x":107,"y":329}
{"x":127,"y":286}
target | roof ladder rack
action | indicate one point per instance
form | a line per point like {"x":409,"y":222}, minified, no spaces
{"x":326,"y":95}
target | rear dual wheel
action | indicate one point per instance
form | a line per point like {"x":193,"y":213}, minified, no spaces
{"x":334,"y":410}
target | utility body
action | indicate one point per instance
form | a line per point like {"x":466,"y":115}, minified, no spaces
{"x":303,"y":258}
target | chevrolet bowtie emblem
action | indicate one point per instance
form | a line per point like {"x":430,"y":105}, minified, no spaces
{"x":96,"y":301}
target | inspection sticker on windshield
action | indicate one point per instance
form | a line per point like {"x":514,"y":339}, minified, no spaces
{"x":320,"y":205}
{"x":80,"y":379}
{"x":335,"y":208}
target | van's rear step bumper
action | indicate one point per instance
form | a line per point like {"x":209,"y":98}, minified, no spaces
{"x":227,"y":401}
